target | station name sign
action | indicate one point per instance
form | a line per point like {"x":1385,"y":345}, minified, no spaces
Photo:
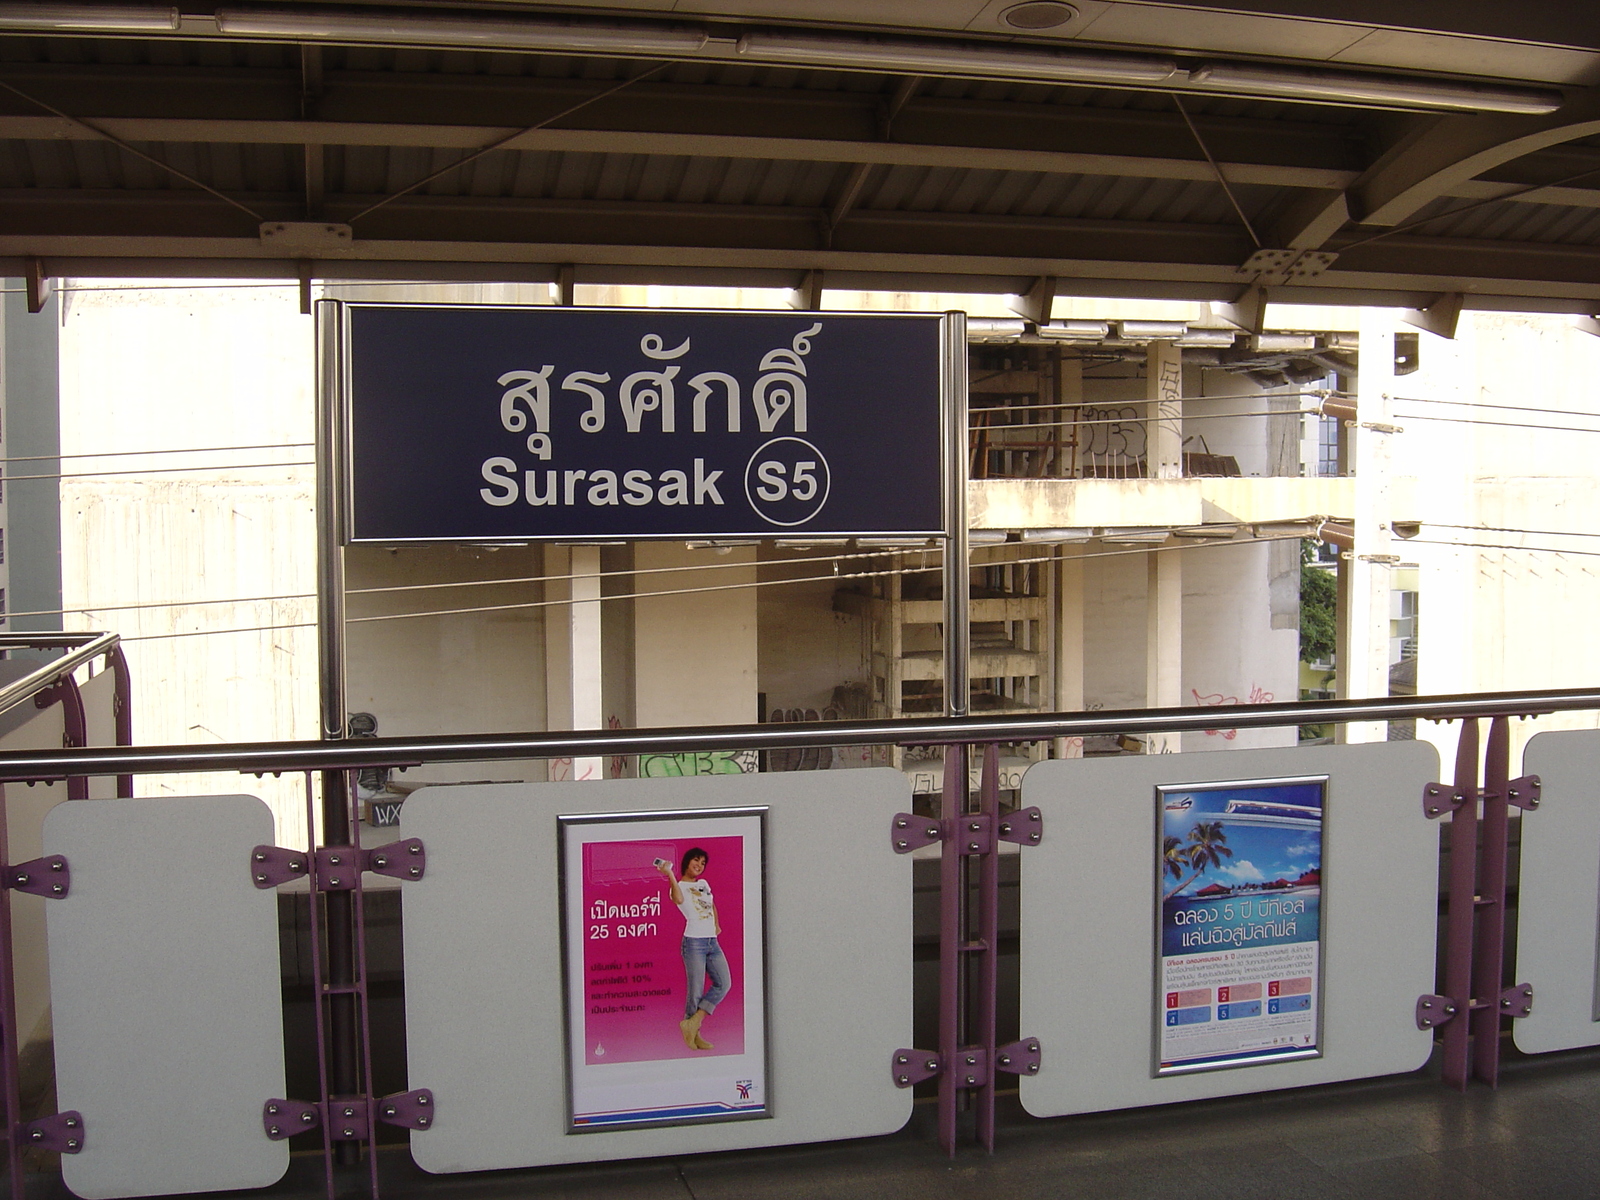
{"x":518,"y":424}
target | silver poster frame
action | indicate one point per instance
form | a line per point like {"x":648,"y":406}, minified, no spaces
{"x":569,"y":1018}
{"x":1158,"y":1007}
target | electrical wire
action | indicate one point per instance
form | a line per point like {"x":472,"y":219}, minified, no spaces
{"x":1134,"y":420}
{"x":1560,"y":412}
{"x":1502,"y":546}
{"x":1507,"y":529}
{"x":758,"y":584}
{"x":161,"y":470}
{"x":458,"y":583}
{"x":16,"y":458}
{"x":1498,"y":424}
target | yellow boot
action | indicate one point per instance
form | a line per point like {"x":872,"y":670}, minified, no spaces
{"x":690,"y":1028}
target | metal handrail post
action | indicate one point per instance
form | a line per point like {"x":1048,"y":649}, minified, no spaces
{"x":952,"y":912}
{"x":10,"y":1069}
{"x":957,"y":586}
{"x":318,"y":995}
{"x":79,"y":648}
{"x":122,"y":710}
{"x":339,"y":907}
{"x":1462,"y":911}
{"x":1488,"y":956}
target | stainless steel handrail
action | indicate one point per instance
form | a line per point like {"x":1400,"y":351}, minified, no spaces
{"x":271,"y":757}
{"x":80,"y":648}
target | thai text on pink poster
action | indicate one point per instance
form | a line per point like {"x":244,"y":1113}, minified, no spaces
{"x":635,"y":983}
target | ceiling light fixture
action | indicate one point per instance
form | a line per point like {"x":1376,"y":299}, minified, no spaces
{"x":557,"y":37}
{"x":1016,"y":62}
{"x":1038,"y":14}
{"x":1379,"y":90}
{"x":88,"y":18}
{"x":929,"y":57}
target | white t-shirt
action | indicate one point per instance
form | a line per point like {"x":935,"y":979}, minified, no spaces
{"x":699,"y":917}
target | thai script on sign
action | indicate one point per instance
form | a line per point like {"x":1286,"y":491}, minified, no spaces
{"x":601,"y":911}
{"x":647,"y":401}
{"x":779,"y":391}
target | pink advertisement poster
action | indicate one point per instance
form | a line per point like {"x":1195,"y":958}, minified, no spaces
{"x":664,"y":968}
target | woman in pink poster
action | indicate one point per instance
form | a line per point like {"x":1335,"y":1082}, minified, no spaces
{"x":702,"y":957}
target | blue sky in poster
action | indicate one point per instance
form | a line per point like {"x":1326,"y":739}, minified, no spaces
{"x":1261,"y":852}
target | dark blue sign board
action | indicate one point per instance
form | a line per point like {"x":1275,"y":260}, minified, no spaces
{"x":517,"y":424}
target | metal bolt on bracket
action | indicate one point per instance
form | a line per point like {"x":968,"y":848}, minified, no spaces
{"x":908,"y":1067}
{"x":1433,"y":1011}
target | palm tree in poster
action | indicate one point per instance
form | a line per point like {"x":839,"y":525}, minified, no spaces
{"x":1208,"y":846}
{"x":1174,"y":856}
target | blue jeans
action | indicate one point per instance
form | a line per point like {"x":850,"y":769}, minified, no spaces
{"x":702,"y":957}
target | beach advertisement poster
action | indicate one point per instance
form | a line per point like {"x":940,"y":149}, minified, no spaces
{"x":1239,"y":891}
{"x":665,"y":963}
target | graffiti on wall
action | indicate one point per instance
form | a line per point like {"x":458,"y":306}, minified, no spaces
{"x":698,"y":762}
{"x":1217,"y":700}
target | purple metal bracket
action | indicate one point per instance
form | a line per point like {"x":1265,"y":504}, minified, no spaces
{"x":913,"y":1066}
{"x":910,"y":832}
{"x":338,"y":869}
{"x":61,"y":1133}
{"x":974,"y":833}
{"x":1025,"y":826}
{"x":1524,"y":792}
{"x":284,"y":1118}
{"x":273,"y":866}
{"x":349,"y":1117}
{"x":1441,"y":798}
{"x":969,"y":1068}
{"x":49,"y":877}
{"x":1517,"y":1002}
{"x":406,"y":859}
{"x":408,"y":1110}
{"x":1433,"y":1011}
{"x":1019,"y":1058}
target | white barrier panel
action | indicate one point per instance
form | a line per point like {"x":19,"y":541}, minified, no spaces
{"x":484,"y":968}
{"x":1094,"y":889}
{"x":167,"y":995}
{"x":1558,"y":900}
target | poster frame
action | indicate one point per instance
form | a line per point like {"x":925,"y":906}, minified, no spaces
{"x":1157,"y":1070}
{"x":568,"y":820}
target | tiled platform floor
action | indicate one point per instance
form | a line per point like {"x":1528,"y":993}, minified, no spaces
{"x":1400,"y":1138}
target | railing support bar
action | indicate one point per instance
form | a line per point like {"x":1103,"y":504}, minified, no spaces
{"x":1462,"y":911}
{"x":952,"y":912}
{"x":10,"y":1070}
{"x":988,"y":982}
{"x":122,"y":710}
{"x":314,"y":920}
{"x":1489,"y":953}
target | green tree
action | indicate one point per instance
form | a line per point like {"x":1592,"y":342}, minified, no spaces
{"x":1318,"y":599}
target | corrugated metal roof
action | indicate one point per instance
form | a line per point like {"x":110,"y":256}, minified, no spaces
{"x":1028,"y":179}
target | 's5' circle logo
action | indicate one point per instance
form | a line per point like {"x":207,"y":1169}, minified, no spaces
{"x":787,"y":481}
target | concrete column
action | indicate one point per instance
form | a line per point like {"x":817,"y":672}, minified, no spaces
{"x":1363,"y":636}
{"x":695,"y":652}
{"x":573,"y":651}
{"x":31,"y":509}
{"x":1163,"y":646}
{"x":1164,"y":411}
{"x":1067,"y":631}
{"x":1068,"y":399}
